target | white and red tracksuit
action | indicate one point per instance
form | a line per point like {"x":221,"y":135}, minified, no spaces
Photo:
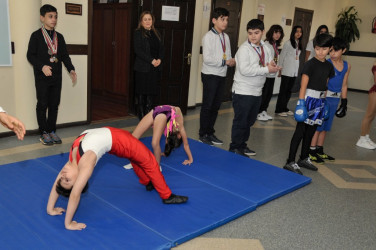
{"x":122,"y":144}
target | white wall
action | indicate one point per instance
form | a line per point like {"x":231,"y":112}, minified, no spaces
{"x":360,"y":76}
{"x":17,"y":91}
{"x":17,"y":88}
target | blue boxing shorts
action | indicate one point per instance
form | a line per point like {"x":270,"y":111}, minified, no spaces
{"x":315,"y":107}
{"x":333,"y":105}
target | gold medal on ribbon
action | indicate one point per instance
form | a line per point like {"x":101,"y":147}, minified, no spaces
{"x":224,"y":56}
{"x":55,"y":59}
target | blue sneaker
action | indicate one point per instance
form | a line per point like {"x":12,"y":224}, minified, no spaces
{"x":45,"y":139}
{"x":55,"y":139}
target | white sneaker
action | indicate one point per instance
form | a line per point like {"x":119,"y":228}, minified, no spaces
{"x":290,"y":112}
{"x":370,"y":141}
{"x":267,"y":116}
{"x":364,"y":143}
{"x":283,"y":114}
{"x":262,"y":117}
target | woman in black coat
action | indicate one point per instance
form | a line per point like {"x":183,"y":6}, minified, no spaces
{"x":149,"y":53}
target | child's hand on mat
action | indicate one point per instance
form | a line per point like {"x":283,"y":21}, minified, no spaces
{"x":56,"y":211}
{"x":47,"y":70}
{"x":74,"y":225}
{"x":187,"y":162}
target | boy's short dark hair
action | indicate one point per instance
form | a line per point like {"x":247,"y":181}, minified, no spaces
{"x":66,"y":192}
{"x":218,"y":12}
{"x":323,"y":40}
{"x":255,"y":24}
{"x":339,"y":44}
{"x":47,"y":8}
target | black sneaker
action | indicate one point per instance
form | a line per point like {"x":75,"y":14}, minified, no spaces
{"x":238,"y":152}
{"x":55,"y":139}
{"x":248,"y":151}
{"x":326,"y":157}
{"x":306,"y":163}
{"x":149,"y":186}
{"x":215,"y":140}
{"x":206,"y":139}
{"x":316,"y":158}
{"x":293,"y":167}
{"x":175,"y":199}
{"x":45,"y":139}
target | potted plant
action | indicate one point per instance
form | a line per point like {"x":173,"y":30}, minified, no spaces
{"x":346,"y":27}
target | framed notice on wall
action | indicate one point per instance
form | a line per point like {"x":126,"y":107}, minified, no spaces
{"x":5,"y":46}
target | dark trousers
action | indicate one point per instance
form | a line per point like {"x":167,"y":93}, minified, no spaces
{"x":213,"y":87}
{"x":267,"y":93}
{"x":48,"y":98}
{"x":303,"y":132}
{"x":144,"y":105}
{"x":246,"y":108}
{"x":284,"y":94}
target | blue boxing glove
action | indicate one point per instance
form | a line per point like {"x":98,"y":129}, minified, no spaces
{"x":326,"y":110}
{"x":301,"y":111}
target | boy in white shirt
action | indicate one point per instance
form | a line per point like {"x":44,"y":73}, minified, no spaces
{"x":254,"y":61}
{"x":216,"y":57}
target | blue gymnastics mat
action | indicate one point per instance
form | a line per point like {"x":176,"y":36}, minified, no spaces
{"x":121,"y":214}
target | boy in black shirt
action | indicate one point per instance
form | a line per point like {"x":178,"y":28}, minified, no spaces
{"x":310,"y":108}
{"x":46,"y":51}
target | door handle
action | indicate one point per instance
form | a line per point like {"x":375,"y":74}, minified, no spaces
{"x":189,"y":56}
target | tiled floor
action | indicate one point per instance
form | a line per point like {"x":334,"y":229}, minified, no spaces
{"x":336,"y":211}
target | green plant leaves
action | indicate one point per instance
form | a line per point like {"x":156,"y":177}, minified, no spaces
{"x":346,"y":25}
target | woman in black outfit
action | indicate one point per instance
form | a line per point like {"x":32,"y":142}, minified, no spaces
{"x":149,"y":52}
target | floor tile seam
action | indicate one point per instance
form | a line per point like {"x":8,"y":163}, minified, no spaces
{"x":38,"y":146}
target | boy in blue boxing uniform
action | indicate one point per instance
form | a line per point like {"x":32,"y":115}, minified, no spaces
{"x":309,"y":112}
{"x":337,"y":88}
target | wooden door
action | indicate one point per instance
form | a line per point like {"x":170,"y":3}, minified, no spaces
{"x":177,"y":38}
{"x":303,"y":18}
{"x":234,"y":7}
{"x":110,"y":69}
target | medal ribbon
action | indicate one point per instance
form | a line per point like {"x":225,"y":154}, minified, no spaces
{"x":223,"y":43}
{"x":275,"y":50}
{"x":51,"y":44}
{"x":261,"y":56}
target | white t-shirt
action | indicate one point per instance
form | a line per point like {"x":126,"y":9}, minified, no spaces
{"x":310,"y":49}
{"x":212,"y":52}
{"x":98,"y":140}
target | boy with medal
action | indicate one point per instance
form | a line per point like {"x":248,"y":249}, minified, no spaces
{"x":46,"y":51}
{"x":216,"y":52}
{"x":253,"y":62}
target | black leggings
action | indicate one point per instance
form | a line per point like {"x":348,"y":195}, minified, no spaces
{"x":303,"y":132}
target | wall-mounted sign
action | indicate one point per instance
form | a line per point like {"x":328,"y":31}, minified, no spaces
{"x":170,"y":13}
{"x":73,"y":9}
